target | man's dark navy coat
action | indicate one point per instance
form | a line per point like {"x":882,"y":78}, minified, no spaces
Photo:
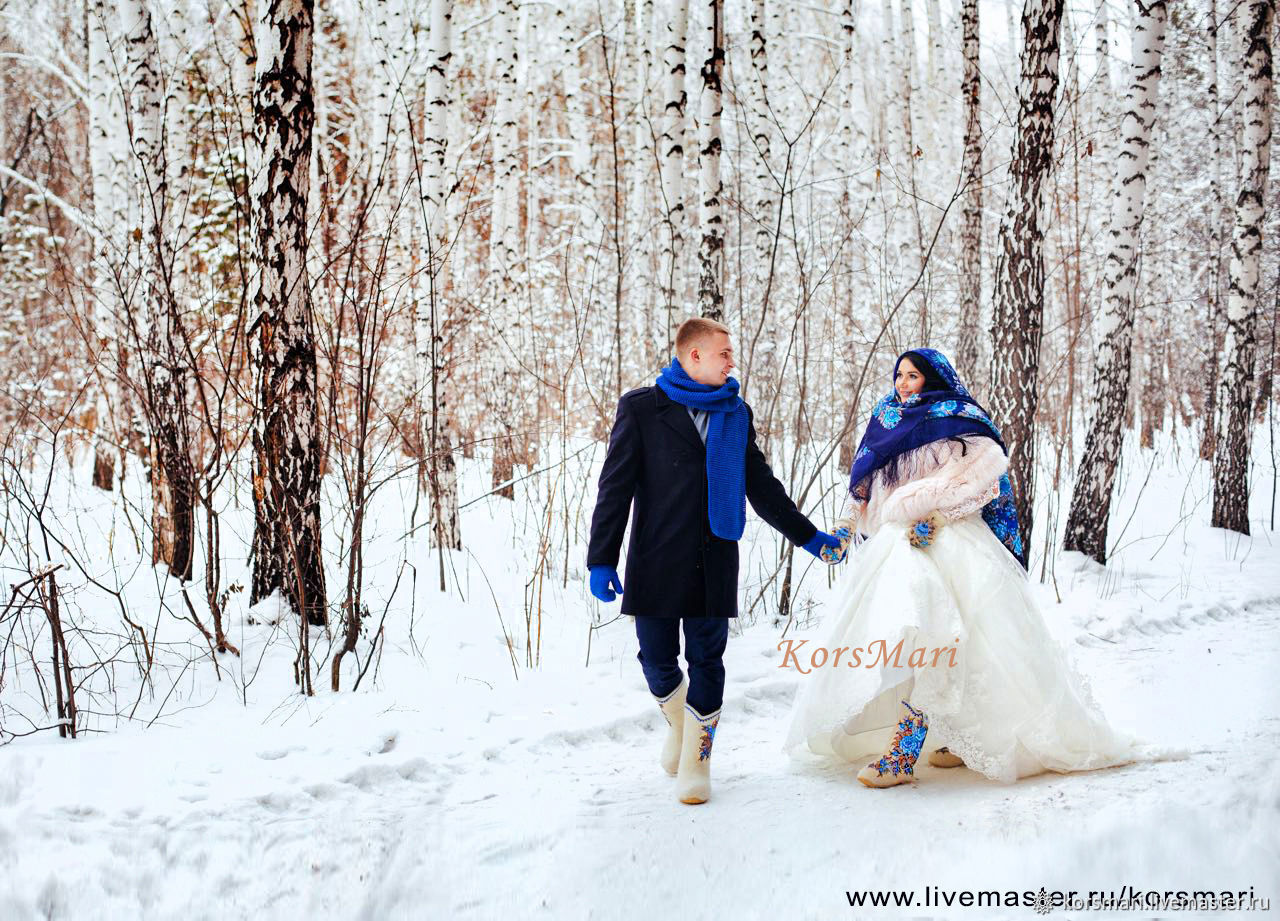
{"x":675,"y":566}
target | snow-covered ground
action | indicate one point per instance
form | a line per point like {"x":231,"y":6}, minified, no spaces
{"x":461,"y":782}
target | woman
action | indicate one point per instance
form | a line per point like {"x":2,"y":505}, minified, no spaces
{"x":966,"y":660}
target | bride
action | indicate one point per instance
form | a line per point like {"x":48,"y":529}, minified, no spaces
{"x":940,"y":567}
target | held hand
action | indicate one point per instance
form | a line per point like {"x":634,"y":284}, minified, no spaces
{"x":925,"y":531}
{"x":604,"y":582}
{"x":820,"y":542}
{"x":837,"y":553}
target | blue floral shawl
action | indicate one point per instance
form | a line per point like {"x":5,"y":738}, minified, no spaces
{"x":898,"y":426}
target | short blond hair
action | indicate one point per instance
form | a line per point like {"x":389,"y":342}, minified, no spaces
{"x":695,"y":329}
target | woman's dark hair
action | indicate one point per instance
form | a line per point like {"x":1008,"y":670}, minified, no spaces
{"x":932,"y":379}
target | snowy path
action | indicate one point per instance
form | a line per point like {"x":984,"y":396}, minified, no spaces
{"x":559,"y":808}
{"x":595,"y":832}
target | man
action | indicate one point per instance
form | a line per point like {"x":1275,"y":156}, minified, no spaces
{"x":685,"y":451}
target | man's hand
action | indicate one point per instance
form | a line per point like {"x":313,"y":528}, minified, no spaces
{"x":822,"y":540}
{"x":604,"y":582}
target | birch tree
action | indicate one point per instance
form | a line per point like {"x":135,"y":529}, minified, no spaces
{"x":398,"y":97}
{"x":761,"y":132}
{"x":1016,"y":326}
{"x":711,"y":185}
{"x":287,"y":461}
{"x":1102,"y":48}
{"x":1091,"y":499}
{"x":626,"y":88}
{"x":670,"y":152}
{"x":851,"y":82}
{"x":590,"y":229}
{"x":434,"y":165}
{"x":935,"y":99}
{"x":433,"y":394}
{"x":967,"y":348}
{"x":161,"y":341}
{"x":504,"y":236}
{"x":858,"y":138}
{"x":109,"y":172}
{"x":1231,"y":460}
{"x":642,"y":191}
{"x":911,"y":243}
{"x":1218,"y":226}
{"x":1101,"y":92}
{"x":891,"y":158}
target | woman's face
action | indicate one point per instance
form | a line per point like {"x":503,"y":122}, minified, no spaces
{"x":909,"y":379}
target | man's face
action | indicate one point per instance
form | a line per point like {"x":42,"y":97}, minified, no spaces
{"x":711,"y":360}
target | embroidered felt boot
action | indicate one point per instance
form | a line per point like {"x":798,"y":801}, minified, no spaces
{"x":672,"y":707}
{"x":693,"y":781}
{"x":898,"y":764}
{"x":945,"y":758}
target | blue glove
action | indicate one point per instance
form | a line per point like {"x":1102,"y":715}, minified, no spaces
{"x":604,"y":582}
{"x":819,"y":540}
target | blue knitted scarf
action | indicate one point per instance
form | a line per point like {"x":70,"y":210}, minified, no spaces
{"x":726,"y":445}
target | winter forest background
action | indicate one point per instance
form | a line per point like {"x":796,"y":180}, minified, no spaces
{"x":312,"y":324}
{"x":256,"y":252}
{"x":314,"y":316}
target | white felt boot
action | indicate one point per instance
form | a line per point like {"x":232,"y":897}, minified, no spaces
{"x":693,"y":782}
{"x":672,"y":707}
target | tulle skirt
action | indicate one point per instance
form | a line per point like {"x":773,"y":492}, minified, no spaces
{"x":975,"y":656}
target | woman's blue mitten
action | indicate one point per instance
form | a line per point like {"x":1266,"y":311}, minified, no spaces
{"x":925,"y":531}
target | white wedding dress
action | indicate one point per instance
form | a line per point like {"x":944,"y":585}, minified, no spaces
{"x":1012,"y":705}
